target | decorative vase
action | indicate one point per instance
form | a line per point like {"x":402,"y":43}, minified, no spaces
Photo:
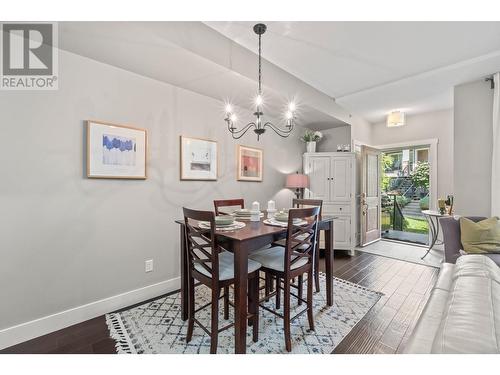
{"x":311,"y":146}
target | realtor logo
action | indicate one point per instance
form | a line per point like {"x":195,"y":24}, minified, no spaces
{"x":28,"y":56}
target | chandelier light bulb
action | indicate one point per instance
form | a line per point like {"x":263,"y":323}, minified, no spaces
{"x":258,"y":100}
{"x":229,"y":109}
{"x":289,"y":115}
{"x":291,"y":107}
{"x":233,"y":118}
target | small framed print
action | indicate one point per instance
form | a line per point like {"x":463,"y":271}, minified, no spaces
{"x":116,"y":151}
{"x":250,"y":162}
{"x":198,"y":159}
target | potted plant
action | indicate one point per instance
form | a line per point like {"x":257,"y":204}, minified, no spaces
{"x":310,"y":138}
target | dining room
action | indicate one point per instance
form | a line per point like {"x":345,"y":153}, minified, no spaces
{"x":197,"y":189}
{"x":121,"y":183}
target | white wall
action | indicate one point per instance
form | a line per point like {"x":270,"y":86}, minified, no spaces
{"x":429,"y":125}
{"x":66,"y":240}
{"x":333,"y":137}
{"x":361,"y":130}
{"x":473,"y":113}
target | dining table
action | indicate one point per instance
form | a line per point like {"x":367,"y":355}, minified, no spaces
{"x":253,"y":236}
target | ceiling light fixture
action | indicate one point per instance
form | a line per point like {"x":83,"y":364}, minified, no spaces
{"x":259,"y":126}
{"x":395,"y":119}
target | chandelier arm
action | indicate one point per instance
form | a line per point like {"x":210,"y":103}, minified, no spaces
{"x":232,"y":129}
{"x":240,"y":133}
{"x":279,"y":131}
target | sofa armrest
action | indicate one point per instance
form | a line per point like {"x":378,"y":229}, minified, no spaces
{"x":451,"y":237}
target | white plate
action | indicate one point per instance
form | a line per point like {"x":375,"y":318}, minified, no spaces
{"x":233,"y":226}
{"x":283,"y":224}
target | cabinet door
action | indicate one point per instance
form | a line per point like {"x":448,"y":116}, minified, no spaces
{"x":319,"y":177}
{"x":340,"y":190}
{"x":342,"y":232}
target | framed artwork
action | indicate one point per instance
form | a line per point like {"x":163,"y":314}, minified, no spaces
{"x":249,"y":163}
{"x":115,"y":151}
{"x":198,"y":159}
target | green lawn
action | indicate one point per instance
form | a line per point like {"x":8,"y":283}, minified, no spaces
{"x":416,"y":225}
{"x":411,"y":224}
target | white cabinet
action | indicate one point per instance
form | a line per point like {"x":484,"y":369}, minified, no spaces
{"x":332,"y":179}
{"x":342,"y":232}
{"x":340,"y":182}
{"x":319,"y":177}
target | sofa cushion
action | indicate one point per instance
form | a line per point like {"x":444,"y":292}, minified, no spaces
{"x":423,"y":335}
{"x":471,"y":317}
{"x":480,"y":237}
{"x":462,"y":314}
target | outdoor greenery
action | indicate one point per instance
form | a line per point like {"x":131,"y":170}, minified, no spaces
{"x":387,"y":161}
{"x":402,"y":201}
{"x":420,"y":176}
{"x":415,"y":225}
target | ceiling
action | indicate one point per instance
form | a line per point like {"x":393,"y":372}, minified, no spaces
{"x":372,"y":68}
{"x":189,"y":55}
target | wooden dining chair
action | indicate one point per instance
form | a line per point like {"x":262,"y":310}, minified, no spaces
{"x":293,"y":260}
{"x":213,"y":267}
{"x":304,"y":203}
{"x":227,"y":203}
{"x":218,"y":203}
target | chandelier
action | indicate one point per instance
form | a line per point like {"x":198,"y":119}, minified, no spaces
{"x":259,"y":126}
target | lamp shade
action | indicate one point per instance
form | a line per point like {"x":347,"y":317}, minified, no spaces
{"x":294,"y":181}
{"x":396,"y":118}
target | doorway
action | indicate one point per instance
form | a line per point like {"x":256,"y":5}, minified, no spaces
{"x":405,"y":186}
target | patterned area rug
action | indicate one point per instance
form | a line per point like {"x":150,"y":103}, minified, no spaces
{"x":156,"y":327}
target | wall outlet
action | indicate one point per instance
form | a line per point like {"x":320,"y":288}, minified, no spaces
{"x":148,"y":265}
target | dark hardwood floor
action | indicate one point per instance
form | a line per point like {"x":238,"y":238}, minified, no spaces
{"x":385,"y":329}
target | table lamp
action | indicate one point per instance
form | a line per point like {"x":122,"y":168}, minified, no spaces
{"x":298,"y":182}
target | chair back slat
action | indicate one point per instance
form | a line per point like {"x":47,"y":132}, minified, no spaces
{"x":202,"y":246}
{"x":228,"y":203}
{"x":301,"y":239}
{"x":305,"y":203}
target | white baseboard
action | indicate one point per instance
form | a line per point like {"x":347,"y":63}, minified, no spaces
{"x":47,"y":324}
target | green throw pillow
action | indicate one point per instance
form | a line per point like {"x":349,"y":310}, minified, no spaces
{"x":481,"y":237}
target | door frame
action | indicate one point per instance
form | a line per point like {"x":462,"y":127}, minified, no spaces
{"x":433,"y":160}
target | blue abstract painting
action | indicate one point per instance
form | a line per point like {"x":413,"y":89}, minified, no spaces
{"x":118,"y":150}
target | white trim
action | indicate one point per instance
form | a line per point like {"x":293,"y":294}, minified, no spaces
{"x":433,"y":160}
{"x":38,"y":327}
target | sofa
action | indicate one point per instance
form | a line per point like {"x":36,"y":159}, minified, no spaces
{"x":462,"y":314}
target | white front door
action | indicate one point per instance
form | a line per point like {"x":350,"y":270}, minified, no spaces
{"x":370,"y":195}
{"x":319,"y":177}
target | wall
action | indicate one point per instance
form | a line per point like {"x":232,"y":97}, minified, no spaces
{"x":361,"y":130}
{"x":473,"y":113}
{"x":66,"y":240}
{"x":438,"y":124}
{"x":333,"y":137}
